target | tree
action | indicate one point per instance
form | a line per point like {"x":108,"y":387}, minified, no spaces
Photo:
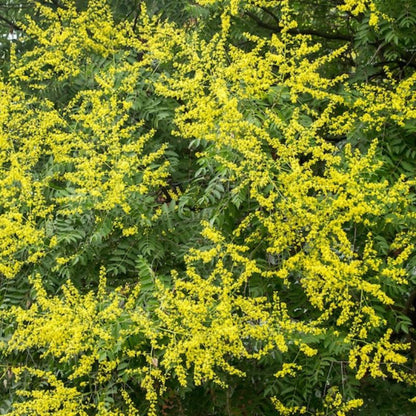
{"x":208,"y":204}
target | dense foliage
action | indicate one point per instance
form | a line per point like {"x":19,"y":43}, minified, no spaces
{"x":208,"y":208}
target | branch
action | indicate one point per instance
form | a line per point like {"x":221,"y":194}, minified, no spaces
{"x":54,"y":4}
{"x":270,"y":13}
{"x":14,"y":26}
{"x":330,"y":36}
{"x":15,"y":6}
{"x":401,"y":63}
{"x":277,"y":29}
{"x":261,"y":23}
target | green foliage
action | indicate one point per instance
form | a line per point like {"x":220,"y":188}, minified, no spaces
{"x":208,"y":208}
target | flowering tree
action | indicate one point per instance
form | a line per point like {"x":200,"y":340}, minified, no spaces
{"x":208,"y":211}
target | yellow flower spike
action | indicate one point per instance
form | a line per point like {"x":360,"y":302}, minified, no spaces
{"x":304,"y":201}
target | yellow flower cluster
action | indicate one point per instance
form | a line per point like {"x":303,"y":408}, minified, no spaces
{"x":307,"y":209}
{"x":332,"y":273}
{"x":93,"y":149}
{"x":310,"y":201}
{"x":335,"y":405}
{"x":84,"y":332}
{"x":64,"y":46}
{"x":386,"y":359}
{"x":362,"y":6}
{"x":58,"y":399}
